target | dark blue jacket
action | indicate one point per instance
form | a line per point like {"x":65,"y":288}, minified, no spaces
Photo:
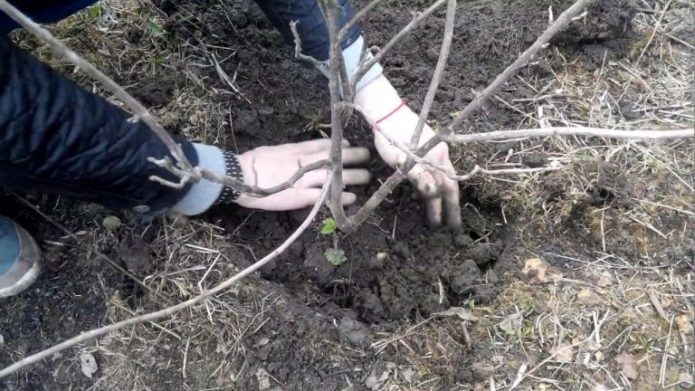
{"x":59,"y":138}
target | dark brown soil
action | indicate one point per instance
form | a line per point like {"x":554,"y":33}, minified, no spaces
{"x":396,"y":268}
{"x":59,"y":305}
{"x":419,"y":271}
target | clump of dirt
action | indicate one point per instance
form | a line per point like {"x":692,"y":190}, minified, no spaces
{"x":604,"y":34}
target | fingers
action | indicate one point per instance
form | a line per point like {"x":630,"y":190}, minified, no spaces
{"x":308,"y":198}
{"x":351,"y":177}
{"x":428,"y":189}
{"x":424,"y":181}
{"x":315,"y":146}
{"x":351,"y":156}
{"x":434,"y":211}
{"x":356,"y":155}
{"x":452,"y":202}
{"x":441,"y":195}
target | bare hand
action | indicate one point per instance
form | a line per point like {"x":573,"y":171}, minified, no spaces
{"x":269,"y":166}
{"x":441,"y":193}
{"x":380,"y":103}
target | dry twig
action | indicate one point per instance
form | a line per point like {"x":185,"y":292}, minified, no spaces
{"x":573,"y":131}
{"x":438,"y":73}
{"x":362,"y":70}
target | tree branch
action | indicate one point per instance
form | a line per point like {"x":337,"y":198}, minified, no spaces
{"x":263,"y":192}
{"x":336,"y":156}
{"x":575,"y":131}
{"x":438,"y":73}
{"x":357,"y":18}
{"x":89,"y":335}
{"x":362,"y":70}
{"x":298,"y":49}
{"x":452,"y":175}
{"x":396,"y":178}
{"x":559,"y":25}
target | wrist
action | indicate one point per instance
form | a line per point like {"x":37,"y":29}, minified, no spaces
{"x":233,"y":170}
{"x":246,"y":164}
{"x":378,"y":99}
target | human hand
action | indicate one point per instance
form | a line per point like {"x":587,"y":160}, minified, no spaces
{"x":269,"y":166}
{"x":380,"y":103}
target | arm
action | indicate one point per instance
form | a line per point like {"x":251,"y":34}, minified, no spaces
{"x":59,"y":138}
{"x":377,"y":99}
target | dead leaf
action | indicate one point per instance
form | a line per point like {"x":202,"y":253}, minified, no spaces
{"x":540,"y":271}
{"x":584,"y":294}
{"x":462,"y":313}
{"x":605,"y":280}
{"x":260,"y":342}
{"x":657,"y":304}
{"x":111,"y":223}
{"x":629,"y":365}
{"x":373,"y":382}
{"x":482,"y":370}
{"x":512,"y":323}
{"x":88,"y":364}
{"x":563,"y":353}
{"x":536,"y":268}
{"x":686,"y":379}
{"x":407,"y":374}
{"x":685,"y":324}
{"x":599,"y":387}
{"x":263,"y":378}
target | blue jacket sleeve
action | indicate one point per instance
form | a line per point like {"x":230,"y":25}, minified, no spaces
{"x":57,"y":137}
{"x":43,"y":11}
{"x":311,"y":25}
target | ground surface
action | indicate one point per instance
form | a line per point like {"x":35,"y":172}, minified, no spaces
{"x":577,"y":279}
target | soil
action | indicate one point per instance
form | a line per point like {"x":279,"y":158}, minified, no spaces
{"x":397,"y":269}
{"x":58,"y":306}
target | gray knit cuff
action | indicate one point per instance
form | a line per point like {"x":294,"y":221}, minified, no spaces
{"x":202,"y":195}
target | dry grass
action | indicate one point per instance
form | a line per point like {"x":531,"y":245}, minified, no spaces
{"x":623,"y":269}
{"x":621,"y":280}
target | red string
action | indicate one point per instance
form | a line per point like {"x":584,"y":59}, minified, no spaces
{"x":384,"y":118}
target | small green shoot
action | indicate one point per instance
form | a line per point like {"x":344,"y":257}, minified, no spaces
{"x":111,"y":223}
{"x":155,"y":29}
{"x":95,"y":12}
{"x":329,"y":226}
{"x":335,"y":256}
